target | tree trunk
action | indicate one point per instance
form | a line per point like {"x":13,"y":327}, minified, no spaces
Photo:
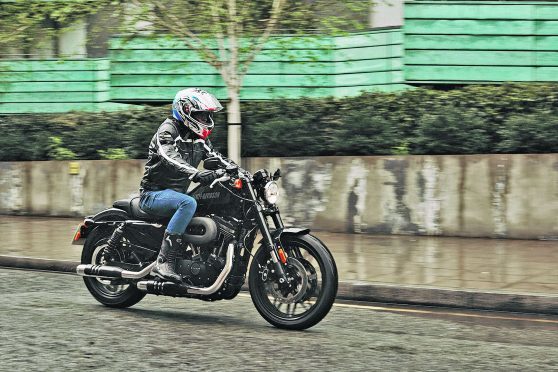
{"x":234,"y":131}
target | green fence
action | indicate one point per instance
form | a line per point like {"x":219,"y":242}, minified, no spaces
{"x":480,"y":41}
{"x":53,"y":85}
{"x":442,"y":42}
{"x":290,"y":67}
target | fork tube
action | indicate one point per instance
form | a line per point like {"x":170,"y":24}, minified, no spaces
{"x":277,"y":221}
{"x":264,"y":229}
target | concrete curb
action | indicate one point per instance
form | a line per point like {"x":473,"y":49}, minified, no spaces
{"x":461,"y":298}
{"x":366,"y":291}
{"x":41,"y":264}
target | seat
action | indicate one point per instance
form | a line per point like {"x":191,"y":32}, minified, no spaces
{"x":132,"y":207}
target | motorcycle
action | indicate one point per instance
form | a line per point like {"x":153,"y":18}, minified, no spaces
{"x":292,"y":276}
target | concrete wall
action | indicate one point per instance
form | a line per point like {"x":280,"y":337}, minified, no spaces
{"x":508,"y":196}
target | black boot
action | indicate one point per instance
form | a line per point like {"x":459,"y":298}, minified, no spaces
{"x":167,"y":259}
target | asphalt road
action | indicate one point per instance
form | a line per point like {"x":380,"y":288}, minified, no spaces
{"x":49,"y":322}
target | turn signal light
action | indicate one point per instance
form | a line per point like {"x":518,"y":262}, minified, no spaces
{"x":282,"y":255}
{"x":77,"y":235}
{"x":237,"y":183}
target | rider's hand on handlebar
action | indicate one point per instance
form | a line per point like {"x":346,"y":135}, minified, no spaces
{"x":206,"y":177}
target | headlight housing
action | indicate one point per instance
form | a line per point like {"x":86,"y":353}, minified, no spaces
{"x":271,"y":192}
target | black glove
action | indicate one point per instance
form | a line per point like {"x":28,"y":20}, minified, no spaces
{"x":206,"y":177}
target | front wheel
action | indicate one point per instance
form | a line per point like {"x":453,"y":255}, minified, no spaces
{"x":312,"y":283}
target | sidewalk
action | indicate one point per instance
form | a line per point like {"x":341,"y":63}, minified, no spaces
{"x":386,"y":268}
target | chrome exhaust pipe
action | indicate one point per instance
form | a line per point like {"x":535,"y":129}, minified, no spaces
{"x":173,"y":289}
{"x":103,"y":271}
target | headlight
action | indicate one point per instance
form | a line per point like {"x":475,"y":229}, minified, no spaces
{"x":271,"y":192}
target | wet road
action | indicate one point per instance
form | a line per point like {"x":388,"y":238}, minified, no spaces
{"x":49,"y":322}
{"x":485,"y":264}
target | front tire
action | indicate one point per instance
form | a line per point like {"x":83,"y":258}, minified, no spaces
{"x":118,"y":293}
{"x":311,"y":271}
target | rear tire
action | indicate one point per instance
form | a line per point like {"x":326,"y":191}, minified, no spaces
{"x":121,"y":295}
{"x":314,"y":275}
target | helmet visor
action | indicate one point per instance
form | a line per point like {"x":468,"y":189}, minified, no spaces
{"x":203,"y":117}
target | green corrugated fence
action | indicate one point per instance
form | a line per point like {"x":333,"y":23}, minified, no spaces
{"x":32,"y":86}
{"x":154,"y":69}
{"x":442,"y":42}
{"x":480,"y":41}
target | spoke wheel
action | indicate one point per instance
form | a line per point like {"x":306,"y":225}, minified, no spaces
{"x":310,"y":289}
{"x":109,"y":292}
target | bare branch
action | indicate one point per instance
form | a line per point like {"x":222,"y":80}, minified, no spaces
{"x":276,"y":9}
{"x":220,"y":39}
{"x":234,"y":80}
{"x":165,"y":19}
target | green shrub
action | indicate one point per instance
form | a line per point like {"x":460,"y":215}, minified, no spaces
{"x":475,"y":119}
{"x":534,"y":133}
{"x":113,"y":154}
{"x":57,"y":152}
{"x":452,"y":131}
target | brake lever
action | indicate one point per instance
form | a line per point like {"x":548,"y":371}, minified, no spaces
{"x":226,"y":177}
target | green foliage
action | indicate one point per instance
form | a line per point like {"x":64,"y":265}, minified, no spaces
{"x":57,"y":152}
{"x":113,"y":154}
{"x":535,"y":133}
{"x":519,"y":118}
{"x":27,"y":23}
{"x":451,"y":131}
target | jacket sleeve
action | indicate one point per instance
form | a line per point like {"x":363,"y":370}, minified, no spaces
{"x":208,"y":155}
{"x":168,"y":153}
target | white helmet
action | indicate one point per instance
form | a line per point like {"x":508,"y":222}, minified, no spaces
{"x":195,"y":107}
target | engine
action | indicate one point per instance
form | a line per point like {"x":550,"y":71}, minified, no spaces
{"x":204,"y":257}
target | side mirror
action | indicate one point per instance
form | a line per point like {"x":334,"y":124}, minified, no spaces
{"x":277,"y":175}
{"x":212,"y":163}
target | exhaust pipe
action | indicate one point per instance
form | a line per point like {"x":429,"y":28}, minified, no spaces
{"x":173,"y":289}
{"x":103,"y":271}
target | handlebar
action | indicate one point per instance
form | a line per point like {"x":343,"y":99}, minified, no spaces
{"x":223,"y":178}
{"x":230,"y":168}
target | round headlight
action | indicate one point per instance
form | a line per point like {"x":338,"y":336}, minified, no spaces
{"x":271,"y":192}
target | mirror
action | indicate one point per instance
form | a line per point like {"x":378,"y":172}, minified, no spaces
{"x":277,"y":175}
{"x":212,"y":163}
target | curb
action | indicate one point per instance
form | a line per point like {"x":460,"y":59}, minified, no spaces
{"x":366,"y":291}
{"x":40,"y":264}
{"x":459,"y":298}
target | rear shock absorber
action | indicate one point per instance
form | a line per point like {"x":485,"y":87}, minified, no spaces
{"x":111,"y":250}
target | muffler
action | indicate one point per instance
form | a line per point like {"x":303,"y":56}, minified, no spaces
{"x":103,"y":271}
{"x":172,"y":289}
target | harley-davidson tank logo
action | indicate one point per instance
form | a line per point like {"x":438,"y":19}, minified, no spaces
{"x":208,"y":195}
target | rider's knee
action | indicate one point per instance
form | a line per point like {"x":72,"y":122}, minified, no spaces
{"x":188,"y":202}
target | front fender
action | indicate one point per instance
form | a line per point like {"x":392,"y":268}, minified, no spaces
{"x":277,"y":234}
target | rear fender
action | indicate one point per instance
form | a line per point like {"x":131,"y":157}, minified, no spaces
{"x":89,"y":223}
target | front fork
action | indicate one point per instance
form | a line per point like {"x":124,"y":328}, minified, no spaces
{"x":276,"y":258}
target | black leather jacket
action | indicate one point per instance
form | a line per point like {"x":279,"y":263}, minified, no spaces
{"x":174,"y":155}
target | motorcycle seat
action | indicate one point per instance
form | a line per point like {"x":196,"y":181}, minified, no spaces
{"x":132,"y":207}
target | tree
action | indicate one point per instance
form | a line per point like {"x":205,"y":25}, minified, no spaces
{"x":229,"y":34}
{"x":30,"y":23}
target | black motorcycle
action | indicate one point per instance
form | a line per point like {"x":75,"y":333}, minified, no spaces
{"x":292,"y":278}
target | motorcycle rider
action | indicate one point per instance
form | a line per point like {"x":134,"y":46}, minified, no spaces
{"x":175,"y":152}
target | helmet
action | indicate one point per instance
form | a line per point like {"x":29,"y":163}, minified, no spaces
{"x":195,"y":107}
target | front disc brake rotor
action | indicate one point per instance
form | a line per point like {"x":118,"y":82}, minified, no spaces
{"x":297,"y":277}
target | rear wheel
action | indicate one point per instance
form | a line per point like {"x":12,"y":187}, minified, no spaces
{"x":110,"y":292}
{"x":312,"y":284}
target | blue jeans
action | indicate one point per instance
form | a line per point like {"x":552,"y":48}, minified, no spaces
{"x":168,"y":203}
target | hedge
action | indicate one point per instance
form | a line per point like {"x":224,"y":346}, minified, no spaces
{"x":515,"y":118}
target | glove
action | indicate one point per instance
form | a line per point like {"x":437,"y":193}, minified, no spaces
{"x":206,"y":177}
